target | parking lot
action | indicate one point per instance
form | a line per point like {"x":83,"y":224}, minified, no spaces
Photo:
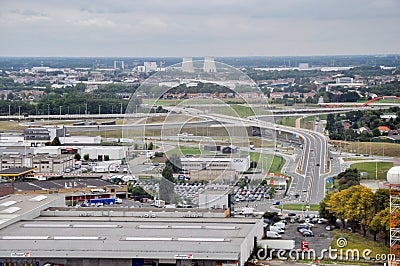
{"x":321,"y":239}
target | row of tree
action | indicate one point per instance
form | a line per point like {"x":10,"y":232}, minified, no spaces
{"x":370,"y":119}
{"x":359,"y":208}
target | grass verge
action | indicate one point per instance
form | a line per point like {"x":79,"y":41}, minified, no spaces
{"x":300,"y":207}
{"x":356,"y":241}
{"x":371,"y":167}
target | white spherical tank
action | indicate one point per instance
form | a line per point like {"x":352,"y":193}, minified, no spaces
{"x":393,"y":175}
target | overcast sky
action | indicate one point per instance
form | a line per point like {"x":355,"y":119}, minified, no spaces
{"x":196,"y":28}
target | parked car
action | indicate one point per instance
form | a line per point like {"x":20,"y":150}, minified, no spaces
{"x":276,"y":229}
{"x":280,"y":225}
{"x":302,"y":226}
{"x":272,"y":234}
{"x":330,"y":227}
{"x":308,"y":233}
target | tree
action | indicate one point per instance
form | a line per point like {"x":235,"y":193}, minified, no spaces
{"x":150,"y":146}
{"x":174,"y":161}
{"x":381,"y":199}
{"x":336,"y":205}
{"x":324,"y":212}
{"x":359,"y":208}
{"x":77,"y":157}
{"x":167,"y":173}
{"x":86,"y":157}
{"x":138,"y":192}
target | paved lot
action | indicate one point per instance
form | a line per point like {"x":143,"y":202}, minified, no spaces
{"x":321,"y":239}
{"x":60,"y":184}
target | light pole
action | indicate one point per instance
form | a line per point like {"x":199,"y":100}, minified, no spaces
{"x":19,"y":112}
{"x":121,"y":107}
{"x":99,"y":108}
{"x":60,"y":109}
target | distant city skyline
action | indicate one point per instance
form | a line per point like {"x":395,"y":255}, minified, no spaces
{"x":193,"y":28}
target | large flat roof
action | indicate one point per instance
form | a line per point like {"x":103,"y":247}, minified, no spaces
{"x":134,"y":237}
{"x":123,"y":233}
{"x":16,"y":207}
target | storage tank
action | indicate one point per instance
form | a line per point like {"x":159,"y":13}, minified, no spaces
{"x":393,"y":175}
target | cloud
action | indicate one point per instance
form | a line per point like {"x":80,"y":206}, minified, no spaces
{"x":195,"y":27}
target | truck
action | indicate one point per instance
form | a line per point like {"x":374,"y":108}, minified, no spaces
{"x":276,"y":229}
{"x":100,"y":169}
{"x":103,"y":201}
{"x":271,"y":234}
{"x":277,"y":244}
{"x":159,"y":203}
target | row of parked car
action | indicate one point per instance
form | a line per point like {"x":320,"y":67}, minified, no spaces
{"x":275,"y":230}
{"x":305,"y":229}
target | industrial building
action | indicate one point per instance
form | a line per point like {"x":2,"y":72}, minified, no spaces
{"x":95,"y":152}
{"x":216,"y":162}
{"x":218,"y":198}
{"x":37,"y":229}
{"x":43,"y":163}
{"x":38,"y":136}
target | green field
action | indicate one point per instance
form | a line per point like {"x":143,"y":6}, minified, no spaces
{"x":372,"y":148}
{"x":289,"y":121}
{"x":307,"y":122}
{"x":183,"y":150}
{"x":270,"y":163}
{"x":356,"y":241}
{"x":300,"y":207}
{"x":371,"y":167}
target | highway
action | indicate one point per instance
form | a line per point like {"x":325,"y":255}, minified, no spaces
{"x":308,"y":168}
{"x":310,"y":180}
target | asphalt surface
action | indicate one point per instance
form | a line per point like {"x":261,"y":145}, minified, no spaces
{"x":60,"y":184}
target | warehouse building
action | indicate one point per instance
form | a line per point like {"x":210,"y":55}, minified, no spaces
{"x":43,"y":163}
{"x":94,"y":152}
{"x":121,"y":236}
{"x":216,"y":162}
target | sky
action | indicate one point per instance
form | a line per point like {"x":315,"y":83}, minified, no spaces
{"x":169,"y":28}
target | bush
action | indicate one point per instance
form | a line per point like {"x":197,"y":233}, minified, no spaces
{"x":77,"y":157}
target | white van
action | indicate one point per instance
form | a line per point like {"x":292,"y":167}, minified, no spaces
{"x":280,"y":225}
{"x":272,"y":234}
{"x":276,"y":229}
